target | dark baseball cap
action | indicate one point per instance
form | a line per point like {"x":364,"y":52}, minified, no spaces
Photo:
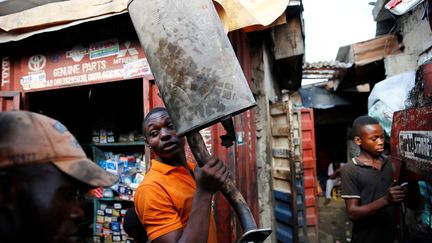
{"x":31,"y":138}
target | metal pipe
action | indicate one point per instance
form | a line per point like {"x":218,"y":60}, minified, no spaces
{"x":229,"y":190}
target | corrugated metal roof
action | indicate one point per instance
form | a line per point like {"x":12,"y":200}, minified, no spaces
{"x":329,"y":70}
{"x":326,"y":65}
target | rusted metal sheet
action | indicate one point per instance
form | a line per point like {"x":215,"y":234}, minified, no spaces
{"x":240,"y":160}
{"x":369,"y":51}
{"x":411,"y":140}
{"x":103,"y":61}
{"x":225,"y":217}
{"x":375,"y":49}
{"x":245,"y":132}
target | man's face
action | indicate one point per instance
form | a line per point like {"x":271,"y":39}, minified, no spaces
{"x":162,"y":137}
{"x":47,"y":205}
{"x":371,"y":139}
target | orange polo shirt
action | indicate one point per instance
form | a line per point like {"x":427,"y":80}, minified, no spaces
{"x":163,"y":200}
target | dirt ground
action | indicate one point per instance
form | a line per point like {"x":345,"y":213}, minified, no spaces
{"x":334,"y":225}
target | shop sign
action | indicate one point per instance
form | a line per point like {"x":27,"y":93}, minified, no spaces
{"x":98,"y":62}
{"x":416,"y":145}
{"x":136,"y":68}
{"x":5,"y":71}
{"x":104,"y":49}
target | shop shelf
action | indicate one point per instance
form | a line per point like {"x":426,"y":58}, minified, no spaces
{"x":136,"y":143}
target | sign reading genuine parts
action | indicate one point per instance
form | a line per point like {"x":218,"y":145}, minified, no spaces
{"x":103,"y":61}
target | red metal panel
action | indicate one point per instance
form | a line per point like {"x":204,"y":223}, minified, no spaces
{"x":251,"y":171}
{"x":153,"y":100}
{"x":225,"y":217}
{"x":310,"y":217}
{"x":411,"y":142}
{"x":241,"y":46}
{"x":309,"y":161}
{"x":245,"y":130}
{"x":309,"y":180}
{"x":240,"y":160}
{"x":310,"y":200}
{"x":9,"y":100}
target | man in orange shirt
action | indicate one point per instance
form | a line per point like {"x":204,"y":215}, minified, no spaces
{"x":174,"y":200}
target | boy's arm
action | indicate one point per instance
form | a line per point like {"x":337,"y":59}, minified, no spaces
{"x":357,"y":211}
{"x":209,"y":179}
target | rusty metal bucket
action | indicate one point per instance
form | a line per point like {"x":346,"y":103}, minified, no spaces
{"x":194,"y":64}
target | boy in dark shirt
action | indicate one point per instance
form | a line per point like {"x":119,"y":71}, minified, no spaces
{"x":368,"y":187}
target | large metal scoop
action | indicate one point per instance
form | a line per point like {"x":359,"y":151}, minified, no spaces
{"x":198,"y":76}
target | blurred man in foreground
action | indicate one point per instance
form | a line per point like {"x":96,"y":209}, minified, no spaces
{"x":43,"y":173}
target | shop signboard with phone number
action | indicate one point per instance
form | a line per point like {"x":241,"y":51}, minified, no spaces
{"x":103,"y":61}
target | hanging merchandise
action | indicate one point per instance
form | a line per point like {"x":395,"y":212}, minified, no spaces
{"x":400,"y":7}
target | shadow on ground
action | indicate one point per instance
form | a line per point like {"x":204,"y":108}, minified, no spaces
{"x":334,"y":225}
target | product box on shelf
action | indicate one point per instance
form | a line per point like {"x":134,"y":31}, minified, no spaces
{"x":110,"y":204}
{"x":108,"y":226}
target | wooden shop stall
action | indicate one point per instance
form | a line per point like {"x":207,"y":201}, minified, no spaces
{"x":95,"y":79}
